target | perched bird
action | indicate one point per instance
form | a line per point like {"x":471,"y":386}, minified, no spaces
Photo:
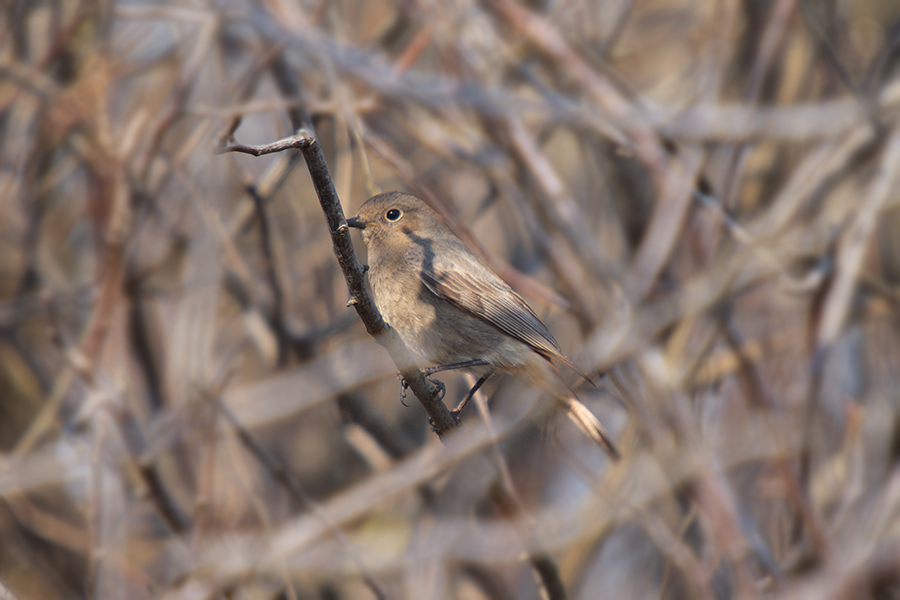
{"x":449,"y":307}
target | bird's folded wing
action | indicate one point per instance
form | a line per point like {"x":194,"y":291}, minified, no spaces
{"x":475,"y":289}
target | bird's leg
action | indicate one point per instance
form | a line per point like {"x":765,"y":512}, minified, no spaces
{"x":475,"y":388}
{"x":428,"y":371}
{"x":460,"y":365}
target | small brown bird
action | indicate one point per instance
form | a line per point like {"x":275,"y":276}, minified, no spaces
{"x":449,"y":307}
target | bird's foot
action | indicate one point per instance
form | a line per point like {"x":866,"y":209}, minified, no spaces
{"x":404,"y":385}
{"x":439,"y":385}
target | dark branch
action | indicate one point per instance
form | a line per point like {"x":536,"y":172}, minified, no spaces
{"x":426,"y":392}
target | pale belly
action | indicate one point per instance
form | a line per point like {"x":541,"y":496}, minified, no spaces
{"x":440,"y":332}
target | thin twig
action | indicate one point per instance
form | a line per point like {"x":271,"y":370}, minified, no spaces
{"x":265,"y":241}
{"x":281,"y":145}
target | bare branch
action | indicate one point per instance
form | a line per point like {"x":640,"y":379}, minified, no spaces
{"x":360,"y":299}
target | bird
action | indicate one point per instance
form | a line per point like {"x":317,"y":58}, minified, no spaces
{"x":451,"y":309}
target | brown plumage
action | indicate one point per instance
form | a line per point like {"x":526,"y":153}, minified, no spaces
{"x":449,"y":307}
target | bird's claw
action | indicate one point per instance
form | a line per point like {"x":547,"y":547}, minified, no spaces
{"x":453,"y":413}
{"x":440,"y":385}
{"x":404,"y":385}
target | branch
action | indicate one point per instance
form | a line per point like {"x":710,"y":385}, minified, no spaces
{"x":265,"y":237}
{"x":279,"y":146}
{"x":426,"y":392}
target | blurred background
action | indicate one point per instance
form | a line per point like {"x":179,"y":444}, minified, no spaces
{"x":698,"y":197}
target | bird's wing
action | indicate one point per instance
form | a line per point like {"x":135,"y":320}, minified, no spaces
{"x":473,"y":288}
{"x":502,"y":308}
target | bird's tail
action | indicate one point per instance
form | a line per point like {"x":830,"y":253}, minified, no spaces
{"x":589,"y":425}
{"x":545,"y":375}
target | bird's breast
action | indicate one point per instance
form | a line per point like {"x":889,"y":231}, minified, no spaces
{"x":397,"y":293}
{"x":436,"y":329}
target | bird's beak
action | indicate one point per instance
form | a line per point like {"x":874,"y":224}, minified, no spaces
{"x":356,"y":223}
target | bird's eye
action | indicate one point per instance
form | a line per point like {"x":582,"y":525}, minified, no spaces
{"x":393,"y":215}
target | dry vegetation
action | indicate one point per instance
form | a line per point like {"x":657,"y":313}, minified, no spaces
{"x":698,"y":197}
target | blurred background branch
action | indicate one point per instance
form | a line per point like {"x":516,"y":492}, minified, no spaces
{"x":699,"y":197}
